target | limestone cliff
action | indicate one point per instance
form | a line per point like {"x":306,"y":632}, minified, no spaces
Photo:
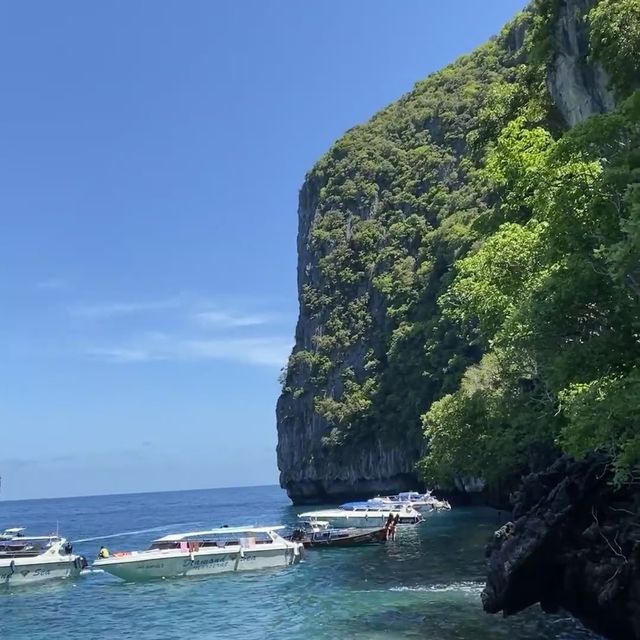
{"x":577,"y":87}
{"x":382,"y":217}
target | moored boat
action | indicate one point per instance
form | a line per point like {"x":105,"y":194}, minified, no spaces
{"x":30,"y":559}
{"x":363,"y":515}
{"x":205,"y":552}
{"x":422,"y":502}
{"x":319,"y":533}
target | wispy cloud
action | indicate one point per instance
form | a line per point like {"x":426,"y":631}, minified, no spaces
{"x":53,"y":284}
{"x":112,"y":309}
{"x":269,"y":351}
{"x":121,"y":354}
{"x":223,"y":319}
{"x":201,"y":329}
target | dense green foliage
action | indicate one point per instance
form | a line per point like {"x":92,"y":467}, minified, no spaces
{"x":554,"y":293}
{"x":475,"y":269}
{"x":394,"y":203}
{"x":556,"y":303}
{"x":615,"y":38}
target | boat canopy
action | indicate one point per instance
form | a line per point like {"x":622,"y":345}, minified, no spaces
{"x":16,"y":536}
{"x":374,"y":507}
{"x":223,"y":531}
{"x":13,"y":531}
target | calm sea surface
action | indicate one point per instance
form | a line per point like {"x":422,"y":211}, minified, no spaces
{"x":426,"y":584}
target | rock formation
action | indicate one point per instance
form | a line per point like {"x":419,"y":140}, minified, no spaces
{"x":574,"y":544}
{"x":381,"y":220}
{"x":578,"y":88}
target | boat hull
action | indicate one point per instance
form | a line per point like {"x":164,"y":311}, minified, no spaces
{"x":356,"y":537}
{"x":23,"y":573}
{"x":360,"y":522}
{"x":198,"y":564}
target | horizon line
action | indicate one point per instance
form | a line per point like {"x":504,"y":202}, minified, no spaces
{"x":137,"y":493}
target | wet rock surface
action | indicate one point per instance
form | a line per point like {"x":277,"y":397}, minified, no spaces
{"x":573,"y":544}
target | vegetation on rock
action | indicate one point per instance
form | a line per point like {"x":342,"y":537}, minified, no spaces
{"x":473,"y":267}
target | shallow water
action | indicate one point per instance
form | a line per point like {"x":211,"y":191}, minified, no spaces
{"x":426,"y":584}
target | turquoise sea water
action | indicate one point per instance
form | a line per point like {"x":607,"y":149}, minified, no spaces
{"x":426,"y":584}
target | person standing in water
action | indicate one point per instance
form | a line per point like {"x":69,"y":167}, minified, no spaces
{"x":388,"y":525}
{"x":396,"y":520}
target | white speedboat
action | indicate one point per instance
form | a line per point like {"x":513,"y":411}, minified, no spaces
{"x":420,"y":501}
{"x":205,"y":552}
{"x":28,"y":559}
{"x":363,"y":515}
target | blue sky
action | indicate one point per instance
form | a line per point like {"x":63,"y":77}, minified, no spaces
{"x":150,"y":159}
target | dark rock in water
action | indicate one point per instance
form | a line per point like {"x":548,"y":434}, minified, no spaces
{"x":574,"y":544}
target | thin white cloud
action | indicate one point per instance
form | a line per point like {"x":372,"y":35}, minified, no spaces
{"x":222,"y":333}
{"x":230,"y":319}
{"x":120,"y":354}
{"x":111,"y":309}
{"x":270,"y":351}
{"x":53,"y":284}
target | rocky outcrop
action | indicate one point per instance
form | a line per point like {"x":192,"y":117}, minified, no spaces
{"x":311,"y":475}
{"x":574,"y":544}
{"x":578,"y":86}
{"x":309,"y":471}
{"x":430,"y":128}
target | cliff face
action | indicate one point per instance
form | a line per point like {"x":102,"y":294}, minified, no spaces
{"x":382,"y":217}
{"x":577,"y":87}
{"x":312,"y":472}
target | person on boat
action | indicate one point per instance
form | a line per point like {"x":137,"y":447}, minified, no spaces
{"x":103,"y":553}
{"x":388,"y":525}
{"x":396,"y":520}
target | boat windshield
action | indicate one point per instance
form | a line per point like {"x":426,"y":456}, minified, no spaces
{"x":360,"y":506}
{"x":194,"y":542}
{"x":25,"y":547}
{"x":313,"y":523}
{"x":409,"y":495}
